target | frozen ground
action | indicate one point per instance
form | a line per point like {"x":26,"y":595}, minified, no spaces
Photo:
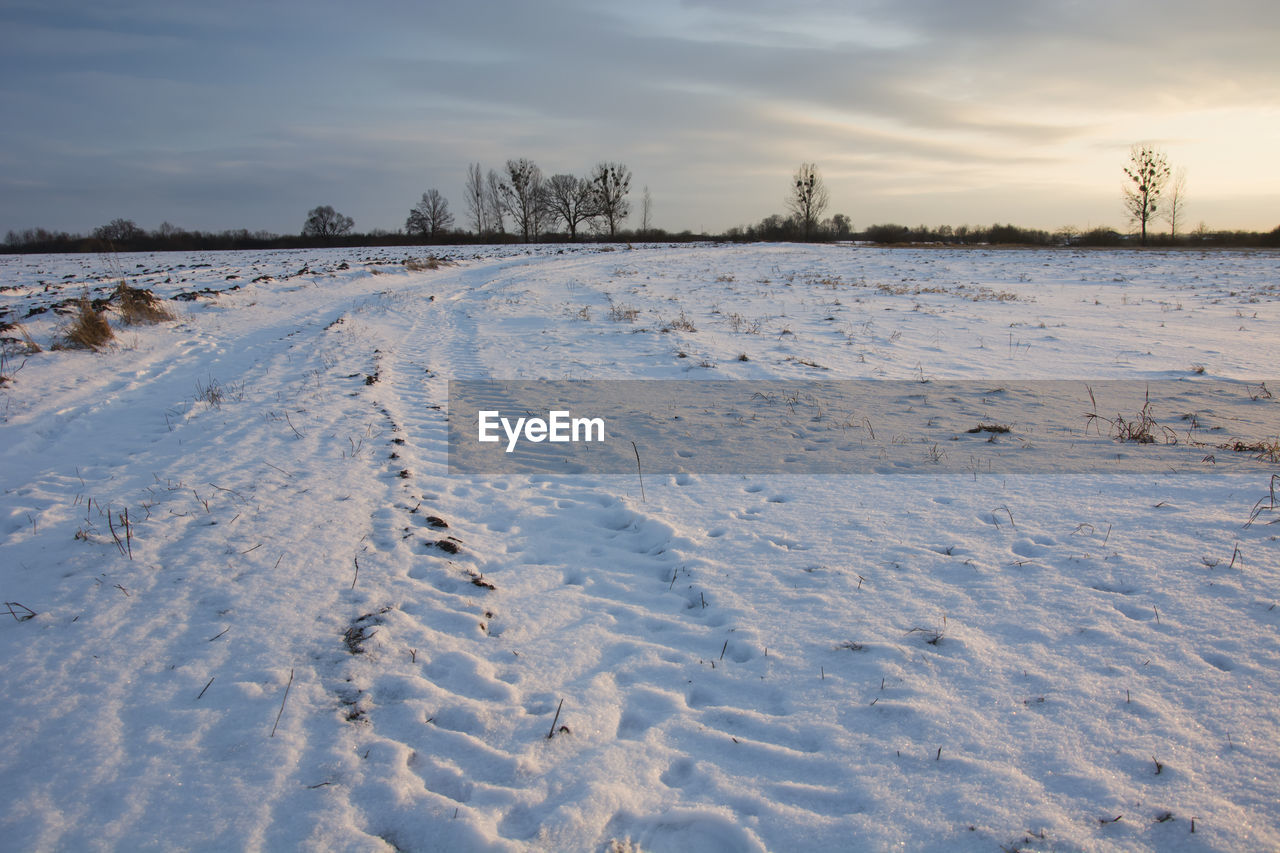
{"x":287,"y":648}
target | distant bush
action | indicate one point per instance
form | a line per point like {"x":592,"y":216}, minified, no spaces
{"x":887,"y":234}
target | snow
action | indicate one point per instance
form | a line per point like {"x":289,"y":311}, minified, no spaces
{"x":287,"y":650}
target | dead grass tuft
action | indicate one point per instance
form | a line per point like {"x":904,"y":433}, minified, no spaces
{"x":88,"y":329}
{"x":1266,"y":450}
{"x":139,"y":307}
{"x":620,"y":312}
{"x":1140,"y":429}
{"x":16,"y":340}
{"x":431,"y":262}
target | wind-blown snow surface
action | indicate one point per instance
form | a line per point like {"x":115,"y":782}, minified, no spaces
{"x":279,"y":655}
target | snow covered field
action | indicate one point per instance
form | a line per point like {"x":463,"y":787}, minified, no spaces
{"x":267,"y":617}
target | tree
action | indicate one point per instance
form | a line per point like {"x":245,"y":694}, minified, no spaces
{"x":524,"y":196}
{"x":841,"y":227}
{"x":430,"y":216}
{"x":477,"y":204}
{"x":325,"y":222}
{"x":570,"y":200}
{"x":493,"y":201}
{"x":119,"y":231}
{"x":646,"y":212}
{"x":1173,"y":211}
{"x":610,"y":183}
{"x":808,"y":198}
{"x":1148,"y":170}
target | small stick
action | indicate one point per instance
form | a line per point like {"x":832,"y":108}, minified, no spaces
{"x":292,"y":427}
{"x":282,"y":701}
{"x":552,"y":733}
{"x":278,"y":468}
{"x":128,"y":534}
{"x":638,"y":472}
{"x":356,"y":560}
{"x":220,"y":633}
{"x":115,"y":536}
{"x":30,"y":614}
{"x":206,"y":687}
{"x":723,"y":648}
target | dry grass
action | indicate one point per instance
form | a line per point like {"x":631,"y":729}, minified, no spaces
{"x":139,"y":307}
{"x":1266,"y":450}
{"x":418,"y":265}
{"x":1140,"y":429}
{"x":16,"y":340}
{"x":620,"y":312}
{"x":89,"y":328}
{"x":681,"y":323}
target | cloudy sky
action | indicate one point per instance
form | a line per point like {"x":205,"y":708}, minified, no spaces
{"x":230,"y":114}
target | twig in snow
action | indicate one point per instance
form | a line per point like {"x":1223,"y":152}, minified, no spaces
{"x":280,"y":713}
{"x":552,"y":733}
{"x":206,"y":687}
{"x":278,"y":468}
{"x":21,"y":617}
{"x":355,"y":560}
{"x":638,"y":472}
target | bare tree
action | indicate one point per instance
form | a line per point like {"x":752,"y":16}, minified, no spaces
{"x":477,"y":206}
{"x":646,"y":211}
{"x":610,"y":183}
{"x":325,"y":222}
{"x":119,"y":231}
{"x":523,"y":196}
{"x":493,"y":201}
{"x":430,"y":216}
{"x":570,"y":200}
{"x":1174,"y":210}
{"x":808,"y":198}
{"x":1148,"y":170}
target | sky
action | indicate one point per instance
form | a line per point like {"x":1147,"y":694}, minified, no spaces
{"x":236,"y":114}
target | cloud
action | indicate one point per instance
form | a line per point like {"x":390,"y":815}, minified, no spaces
{"x":712,"y":102}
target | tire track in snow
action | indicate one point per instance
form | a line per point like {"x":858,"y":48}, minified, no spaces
{"x":596,"y":602}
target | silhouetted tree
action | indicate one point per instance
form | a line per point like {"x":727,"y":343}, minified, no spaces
{"x":523,"y":196}
{"x":610,"y":183}
{"x":1173,"y":211}
{"x":570,"y":200}
{"x":119,"y":231}
{"x":808,"y":199}
{"x":325,"y":222}
{"x":1148,"y":170}
{"x":493,"y":201}
{"x":477,"y":206}
{"x":646,"y":212}
{"x":430,"y":216}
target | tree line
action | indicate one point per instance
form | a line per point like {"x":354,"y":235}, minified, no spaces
{"x":518,"y":203}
